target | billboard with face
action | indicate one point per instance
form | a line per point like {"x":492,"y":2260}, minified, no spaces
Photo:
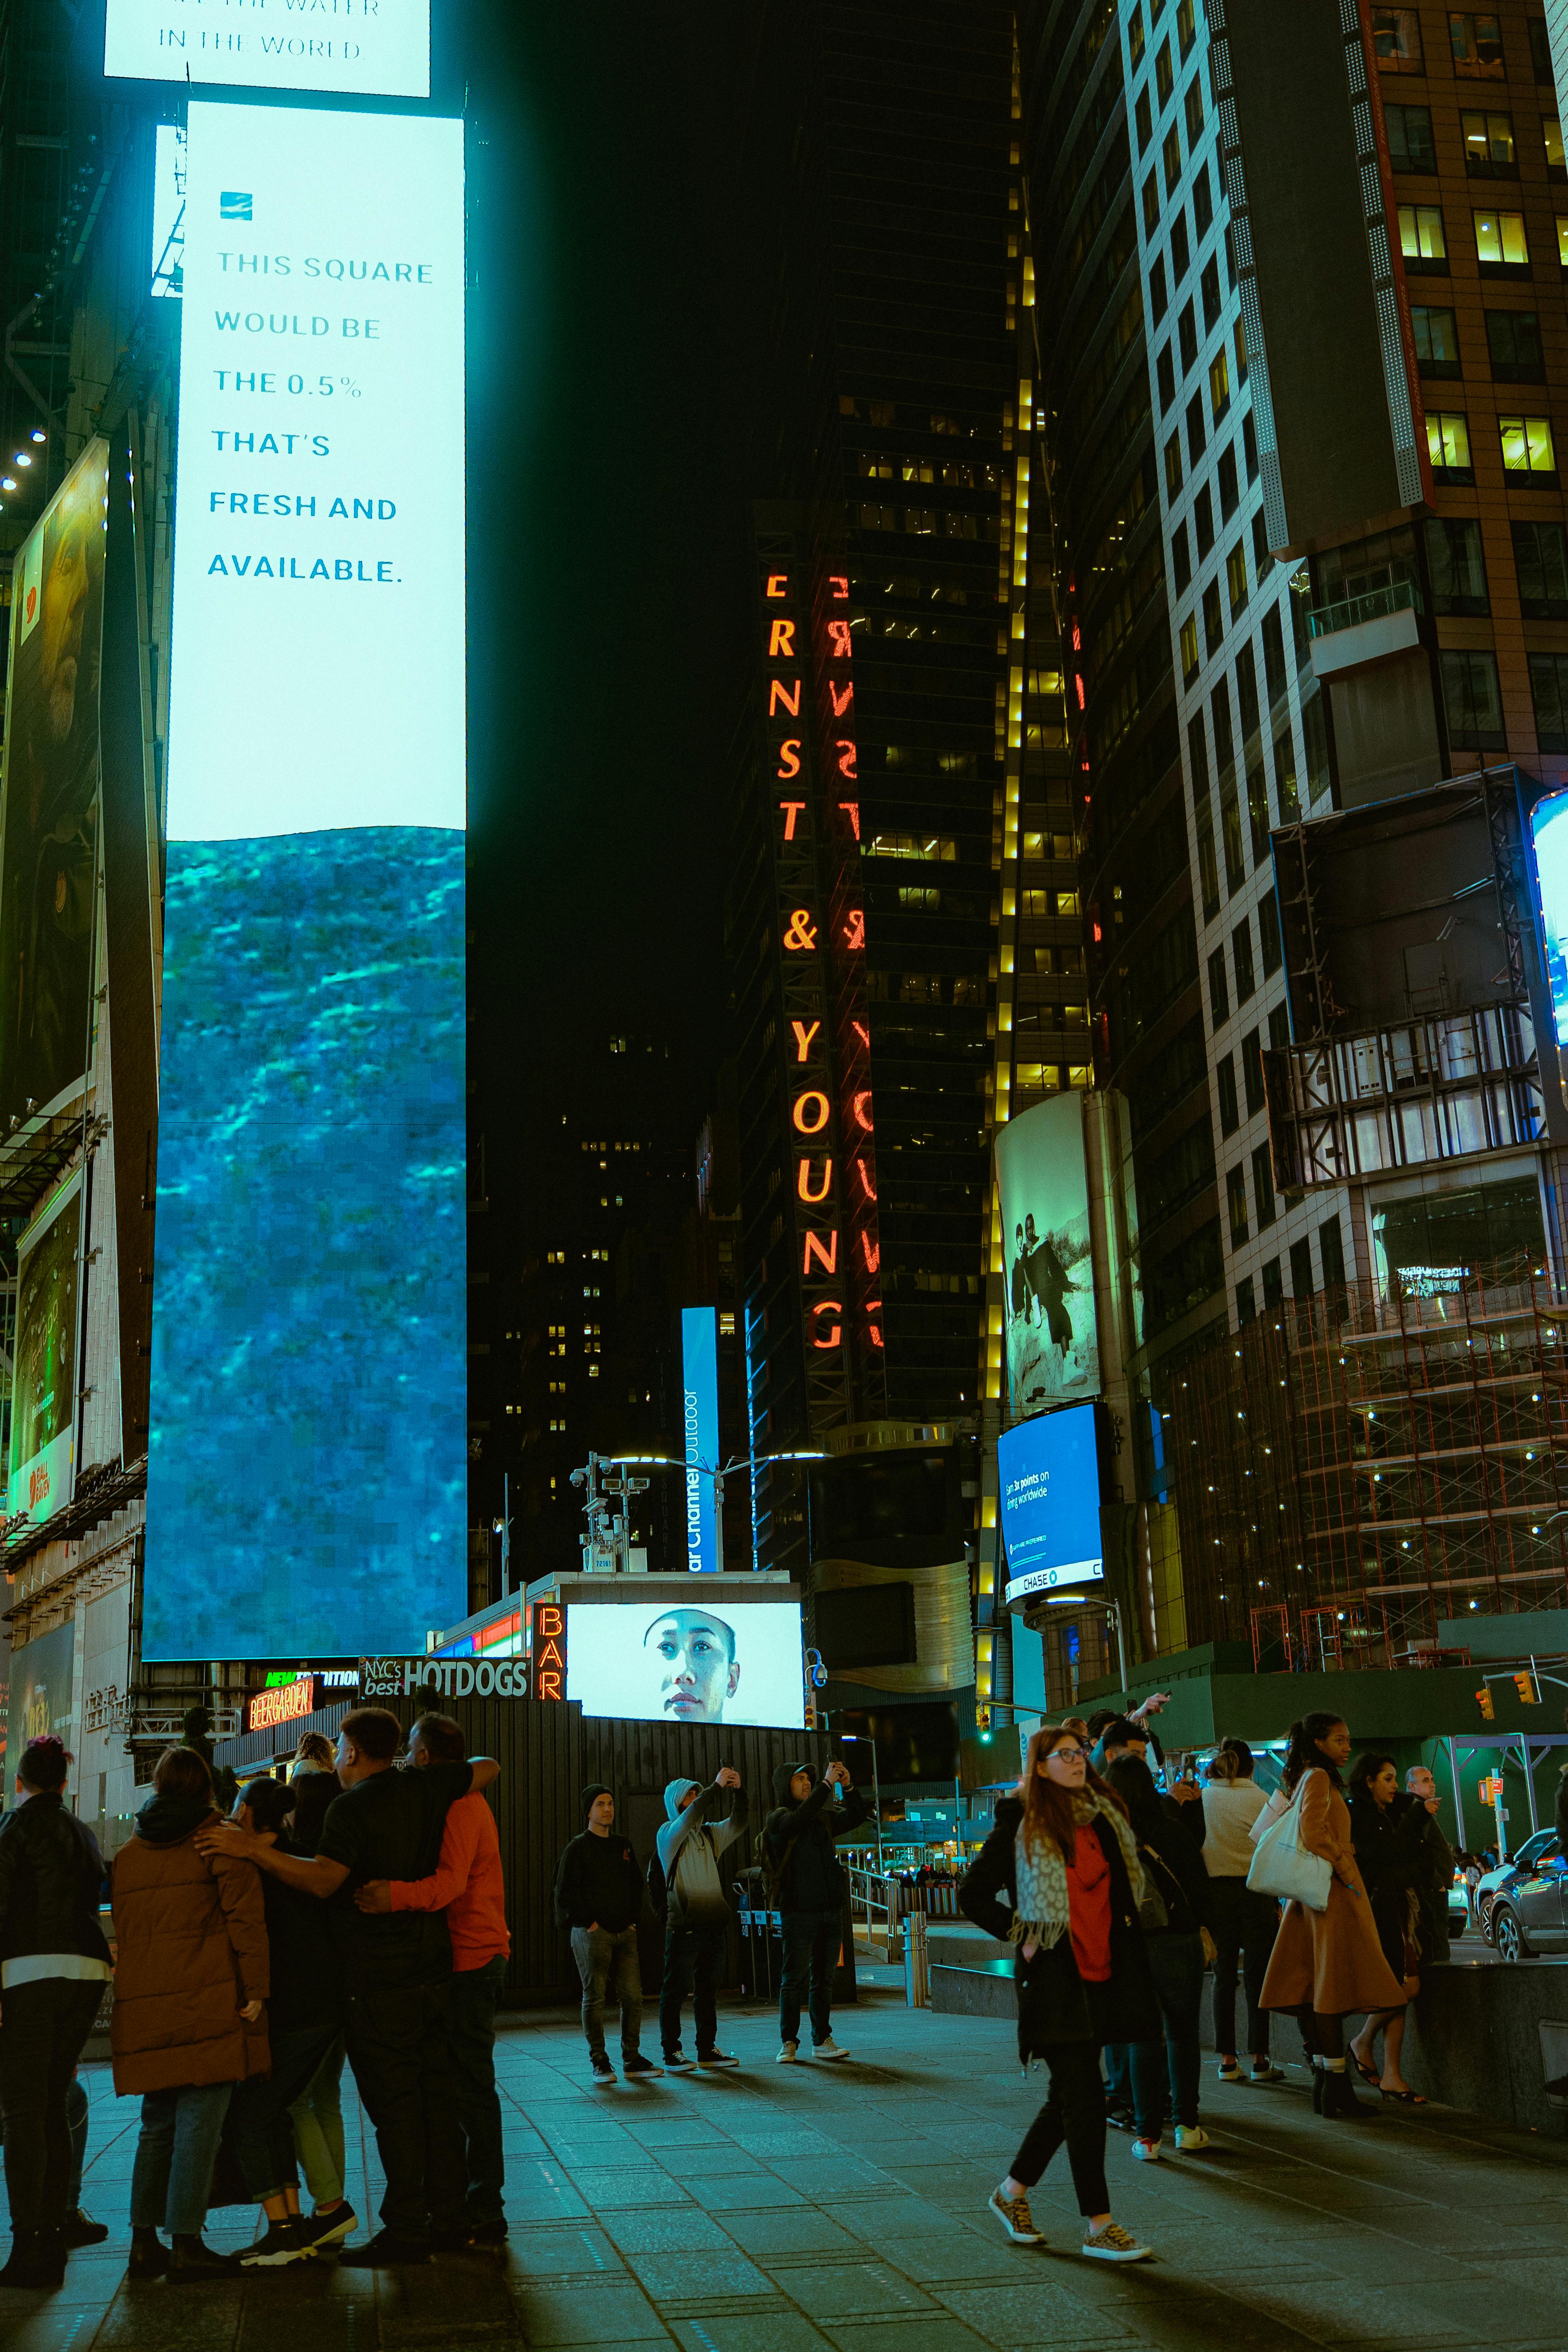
{"x":738,"y":1664}
{"x":43,"y":1399}
{"x":49,"y":809}
{"x":1053,"y":1346}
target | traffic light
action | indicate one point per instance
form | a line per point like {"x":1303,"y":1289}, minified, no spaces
{"x":1484,"y":1789}
{"x":1484,"y":1701}
{"x":1526,"y":1689}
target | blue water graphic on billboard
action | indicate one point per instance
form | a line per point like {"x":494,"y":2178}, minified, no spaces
{"x":1048,"y":1470}
{"x":307,"y":1476}
{"x":699,"y":1438}
{"x":1549,"y":827}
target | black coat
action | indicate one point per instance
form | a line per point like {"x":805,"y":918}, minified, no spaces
{"x":1055,"y":2005}
{"x":799,"y":1842}
{"x":51,"y":1876}
{"x":1389,"y":1854}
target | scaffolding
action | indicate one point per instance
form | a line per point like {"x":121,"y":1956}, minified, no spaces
{"x":1353,"y":1467}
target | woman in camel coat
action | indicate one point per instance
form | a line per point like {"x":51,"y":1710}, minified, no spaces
{"x":1328,"y":1964}
{"x":189,"y":2022}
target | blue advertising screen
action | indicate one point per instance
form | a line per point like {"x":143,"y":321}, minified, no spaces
{"x":1549,"y":827}
{"x":1049,"y":1473}
{"x":307,"y":1450}
{"x":700,"y":1435}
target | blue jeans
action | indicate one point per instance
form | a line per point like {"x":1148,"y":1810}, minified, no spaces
{"x":175,"y":2157}
{"x":692,"y":1956}
{"x":811,"y":1941}
{"x":475,"y":1993}
{"x":1176,"y":1965}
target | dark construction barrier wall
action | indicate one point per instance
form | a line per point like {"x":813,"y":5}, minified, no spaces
{"x":549,"y":1754}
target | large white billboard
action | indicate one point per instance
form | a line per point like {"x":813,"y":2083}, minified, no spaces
{"x":317,"y":663}
{"x":340,"y":48}
{"x":688,"y":1663}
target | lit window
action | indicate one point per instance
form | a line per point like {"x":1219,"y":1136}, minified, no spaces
{"x":1563,"y":240}
{"x":1499,"y":238}
{"x":1396,"y":40}
{"x":1527,"y":445}
{"x":1488,"y":141}
{"x":1219,"y":385}
{"x":1551,"y":132}
{"x":1189,"y":649}
{"x":1421,"y":233}
{"x":1447,"y":439}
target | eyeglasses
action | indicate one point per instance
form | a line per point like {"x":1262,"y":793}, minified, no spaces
{"x":1066,"y":1755}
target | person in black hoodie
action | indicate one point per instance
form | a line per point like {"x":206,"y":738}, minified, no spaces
{"x":305,"y":2013}
{"x":805,"y":1880}
{"x":598,"y":1895}
{"x":1173,"y":1867}
{"x":54,"y":1963}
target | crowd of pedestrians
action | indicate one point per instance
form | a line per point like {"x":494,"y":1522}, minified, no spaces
{"x":354,"y":1913}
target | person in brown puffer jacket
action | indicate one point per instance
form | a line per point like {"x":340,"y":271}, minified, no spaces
{"x":191,"y":1980}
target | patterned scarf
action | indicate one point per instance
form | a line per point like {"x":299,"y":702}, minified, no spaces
{"x":1040,"y":1890}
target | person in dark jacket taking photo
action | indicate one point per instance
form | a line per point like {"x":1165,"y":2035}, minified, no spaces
{"x":598,"y":1895}
{"x":805,"y":1881}
{"x":54,"y":1963}
{"x":1064,"y":1856}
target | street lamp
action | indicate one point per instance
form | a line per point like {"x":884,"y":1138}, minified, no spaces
{"x":718,"y":1472}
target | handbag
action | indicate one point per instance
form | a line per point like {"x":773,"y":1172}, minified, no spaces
{"x":1283,"y":1866}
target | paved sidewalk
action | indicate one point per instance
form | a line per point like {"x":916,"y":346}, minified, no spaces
{"x":781,"y":2208}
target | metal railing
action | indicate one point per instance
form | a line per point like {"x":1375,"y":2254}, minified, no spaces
{"x":1376,"y":604}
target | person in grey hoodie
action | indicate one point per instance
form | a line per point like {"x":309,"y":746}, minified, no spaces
{"x":696,"y":1914}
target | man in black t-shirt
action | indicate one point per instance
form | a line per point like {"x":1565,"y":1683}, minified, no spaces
{"x":396,"y":1965}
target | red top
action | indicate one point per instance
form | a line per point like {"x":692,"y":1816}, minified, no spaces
{"x":466,"y":1886}
{"x":1088,"y":1908}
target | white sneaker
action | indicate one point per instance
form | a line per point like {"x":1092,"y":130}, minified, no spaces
{"x":1112,"y":2245}
{"x":1228,"y":2071}
{"x":1267,"y":2074}
{"x":829,"y":2048}
{"x":786,"y":2056}
{"x":1190,"y":2138}
{"x":1147,"y":2151}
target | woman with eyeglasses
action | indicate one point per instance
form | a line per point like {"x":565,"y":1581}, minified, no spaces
{"x":1060,"y":1877}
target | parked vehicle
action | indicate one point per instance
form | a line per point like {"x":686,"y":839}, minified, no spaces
{"x":1522,"y":1908}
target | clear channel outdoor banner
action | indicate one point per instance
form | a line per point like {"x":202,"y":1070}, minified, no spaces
{"x":700,"y":1434}
{"x":307,"y":1472}
{"x":1053,"y":1341}
{"x":338,"y":48}
{"x":740,"y":1664}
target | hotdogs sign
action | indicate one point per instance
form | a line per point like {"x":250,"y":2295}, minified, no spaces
{"x":432,"y":1679}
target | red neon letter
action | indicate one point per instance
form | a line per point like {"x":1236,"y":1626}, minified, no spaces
{"x":803,"y":1185}
{"x":857,"y":1104}
{"x":805,"y":1124}
{"x":789,"y":759}
{"x":780,"y":639}
{"x":874,"y":1306}
{"x":866,"y":1187}
{"x":852,"y":810}
{"x":792,"y":809}
{"x":841,"y":702}
{"x":862,"y":1033}
{"x":827,"y":1307}
{"x":778,"y":583}
{"x":802,"y":1037}
{"x":872,"y":1251}
{"x":829,"y":1255}
{"x":838,"y":637}
{"x":801,"y":933}
{"x":840,"y":585}
{"x":855,"y":929}
{"x":778,"y":692}
{"x":846,"y":756}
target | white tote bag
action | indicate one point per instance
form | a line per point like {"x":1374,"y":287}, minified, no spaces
{"x":1282,"y":1865}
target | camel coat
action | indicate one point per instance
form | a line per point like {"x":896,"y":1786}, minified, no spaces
{"x":1330,"y":1961}
{"x":192,"y":1940}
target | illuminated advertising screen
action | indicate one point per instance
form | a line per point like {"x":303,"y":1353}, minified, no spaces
{"x":1053,"y":1341}
{"x":685,"y":1663}
{"x":48,"y":816}
{"x":700,"y":1423}
{"x":1549,"y":832}
{"x":1049,"y":1469}
{"x":42,"y":1676}
{"x":43,"y":1384}
{"x":307,"y":1469}
{"x":337,"y":47}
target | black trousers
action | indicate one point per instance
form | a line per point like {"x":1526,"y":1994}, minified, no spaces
{"x":1075,"y":2112}
{"x":1244,"y":1926}
{"x":400,"y":2050}
{"x":692,"y":1959}
{"x":43,"y":2027}
{"x":811,"y":1941}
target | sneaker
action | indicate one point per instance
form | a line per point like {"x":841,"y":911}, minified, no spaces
{"x":786,"y":2056}
{"x":676,"y":2061}
{"x":1147,"y":2151}
{"x":1190,"y":2138}
{"x":385,"y":2251}
{"x":285,"y":2242}
{"x":1267,"y":2073}
{"x":1117,"y":2119}
{"x":1016,"y":2217}
{"x":81,"y":2229}
{"x":1228,"y":2071}
{"x":492,"y":2231}
{"x":603,"y":2073}
{"x":194,"y":2264}
{"x":829,"y":2048}
{"x":717,"y":2058}
{"x":1112,"y":2245}
{"x":323,"y":2231}
{"x":638,"y":2064}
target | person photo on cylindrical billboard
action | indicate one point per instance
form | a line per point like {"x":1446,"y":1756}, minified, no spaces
{"x":1053,"y":1348}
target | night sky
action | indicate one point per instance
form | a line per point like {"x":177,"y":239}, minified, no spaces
{"x":606,"y":502}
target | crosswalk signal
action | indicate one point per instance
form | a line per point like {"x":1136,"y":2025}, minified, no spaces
{"x":1484,"y":1701}
{"x":1525,"y":1686}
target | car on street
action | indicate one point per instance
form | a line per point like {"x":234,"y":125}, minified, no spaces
{"x":1522,"y":1908}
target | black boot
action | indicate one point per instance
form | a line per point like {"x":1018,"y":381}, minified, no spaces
{"x":38,"y":2260}
{"x":1340,"y":2102}
{"x":193,"y":2264}
{"x":1317,"y":2086}
{"x":81,"y":2229}
{"x":149,"y":2256}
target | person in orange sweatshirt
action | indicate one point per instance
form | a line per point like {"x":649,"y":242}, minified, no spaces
{"x":468,"y":1886}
